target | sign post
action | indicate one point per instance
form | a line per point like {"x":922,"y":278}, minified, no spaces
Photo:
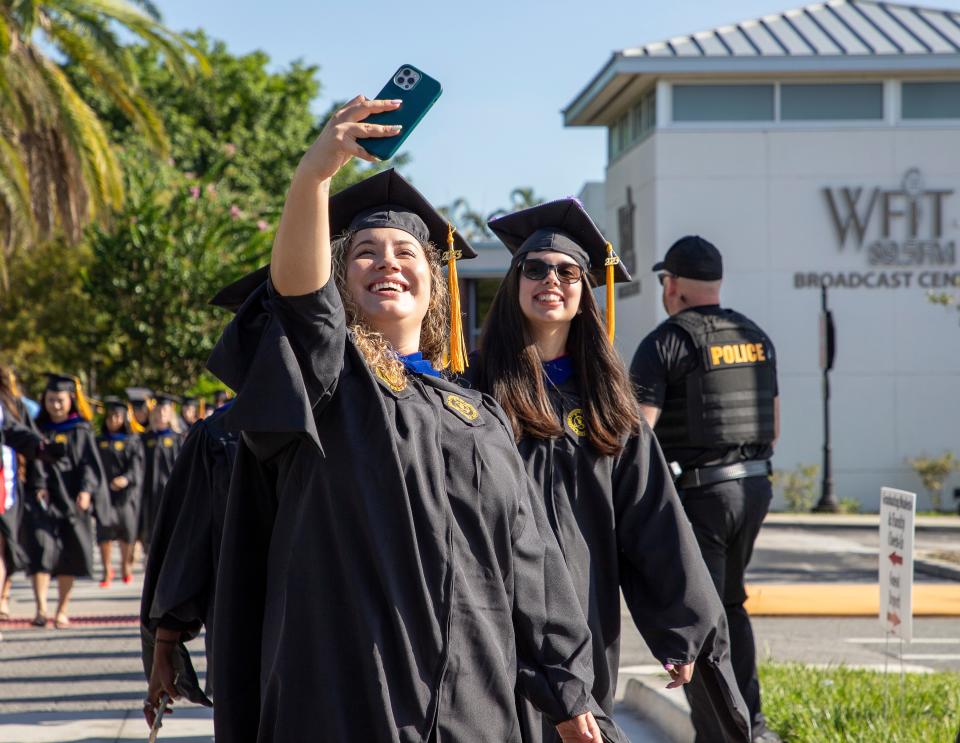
{"x":828,"y":350}
{"x":898,"y":510}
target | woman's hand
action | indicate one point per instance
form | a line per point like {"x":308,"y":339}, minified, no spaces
{"x":83,"y":500}
{"x":580,"y":729}
{"x":119,"y":483}
{"x":337,"y":142}
{"x":679,"y":675}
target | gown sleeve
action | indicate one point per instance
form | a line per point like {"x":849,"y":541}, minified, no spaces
{"x":93,"y":478}
{"x":283,"y":355}
{"x":178,"y":580}
{"x":553,"y":640}
{"x":665,"y":582}
{"x":21,"y":438}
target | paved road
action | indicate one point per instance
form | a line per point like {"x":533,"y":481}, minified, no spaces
{"x":85,"y":683}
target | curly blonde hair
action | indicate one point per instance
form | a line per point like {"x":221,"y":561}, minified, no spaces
{"x":376,"y":350}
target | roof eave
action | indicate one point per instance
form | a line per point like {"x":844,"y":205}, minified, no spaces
{"x":576,"y":113}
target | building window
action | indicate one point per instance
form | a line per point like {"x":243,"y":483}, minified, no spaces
{"x":831,"y":102}
{"x":930,"y":100}
{"x":723,"y":102}
{"x":634,"y":126}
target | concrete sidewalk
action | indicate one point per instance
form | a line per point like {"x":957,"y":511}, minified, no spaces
{"x":86,"y":683}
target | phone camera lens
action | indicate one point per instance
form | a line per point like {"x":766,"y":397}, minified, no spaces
{"x":407,"y":71}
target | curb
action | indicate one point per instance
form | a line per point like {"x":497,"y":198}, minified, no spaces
{"x":665,"y":710}
{"x":937,"y":568}
{"x":946,"y":523}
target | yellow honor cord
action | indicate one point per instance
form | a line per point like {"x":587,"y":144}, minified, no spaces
{"x":134,"y":423}
{"x":83,"y":406}
{"x":457,"y":357}
{"x":611,"y":261}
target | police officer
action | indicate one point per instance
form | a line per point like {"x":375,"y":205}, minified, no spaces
{"x":706,"y":381}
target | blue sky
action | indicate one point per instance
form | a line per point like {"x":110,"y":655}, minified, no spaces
{"x":507,"y":69}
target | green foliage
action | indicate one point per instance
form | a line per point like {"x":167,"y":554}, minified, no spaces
{"x":249,"y":124}
{"x":43,"y":325}
{"x":843,"y":705}
{"x":799,"y":486}
{"x":849,"y":505}
{"x":152,"y":274}
{"x":57,"y":168}
{"x":473,"y":224}
{"x":933,"y":472}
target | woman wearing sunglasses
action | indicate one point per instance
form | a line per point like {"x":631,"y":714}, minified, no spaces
{"x":384,"y":574}
{"x":547,"y":358}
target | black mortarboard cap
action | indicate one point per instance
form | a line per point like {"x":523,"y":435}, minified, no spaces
{"x":561,"y":226}
{"x":190,"y":400}
{"x":166,"y":397}
{"x":112,"y":402}
{"x":61,"y":383}
{"x":139,"y":395}
{"x":692,"y":257}
{"x":233,"y":295}
{"x":387,"y":200}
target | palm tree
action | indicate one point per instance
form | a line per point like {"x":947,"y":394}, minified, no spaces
{"x":58,"y":170}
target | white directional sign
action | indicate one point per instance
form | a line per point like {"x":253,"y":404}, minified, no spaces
{"x":898,"y":509}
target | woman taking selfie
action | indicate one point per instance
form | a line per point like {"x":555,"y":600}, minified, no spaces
{"x":547,"y":358}
{"x":63,"y":494}
{"x":382,"y":575}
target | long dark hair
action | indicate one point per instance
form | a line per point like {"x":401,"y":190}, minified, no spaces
{"x":510,"y":369}
{"x":125,"y":428}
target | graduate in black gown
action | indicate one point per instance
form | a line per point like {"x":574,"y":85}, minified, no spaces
{"x":20,"y":443}
{"x":548,"y":358}
{"x":62,"y":497}
{"x":180,"y":578}
{"x":161,"y":445}
{"x":191,"y":410}
{"x":383,"y":575}
{"x":121,"y":453}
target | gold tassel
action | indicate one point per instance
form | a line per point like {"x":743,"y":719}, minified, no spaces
{"x":134,"y":423}
{"x":83,"y":406}
{"x":458,"y":348}
{"x":611,"y":261}
{"x":202,"y":409}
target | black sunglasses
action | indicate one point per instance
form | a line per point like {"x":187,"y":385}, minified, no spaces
{"x":661,"y":277}
{"x":537,"y":270}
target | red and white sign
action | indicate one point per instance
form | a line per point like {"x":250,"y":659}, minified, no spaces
{"x":898,"y":510}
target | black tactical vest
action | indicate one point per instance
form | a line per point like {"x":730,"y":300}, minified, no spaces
{"x":728,"y":399}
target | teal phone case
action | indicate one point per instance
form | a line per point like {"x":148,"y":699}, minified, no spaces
{"x":417,"y":100}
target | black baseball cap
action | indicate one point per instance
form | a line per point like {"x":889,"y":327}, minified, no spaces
{"x":692,"y":257}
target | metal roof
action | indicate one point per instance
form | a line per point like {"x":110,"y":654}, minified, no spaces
{"x":837,"y":27}
{"x":858,"y":36}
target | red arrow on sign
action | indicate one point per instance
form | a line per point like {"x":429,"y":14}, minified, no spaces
{"x":893,"y":618}
{"x":896,"y":559}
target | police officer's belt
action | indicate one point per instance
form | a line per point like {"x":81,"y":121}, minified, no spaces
{"x":712,"y":475}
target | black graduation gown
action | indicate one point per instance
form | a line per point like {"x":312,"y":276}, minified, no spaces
{"x":620,"y":525}
{"x":21,"y":436}
{"x":59,"y":539}
{"x":160,"y":450}
{"x":122,"y":455}
{"x":382,"y":573}
{"x":180,"y":577}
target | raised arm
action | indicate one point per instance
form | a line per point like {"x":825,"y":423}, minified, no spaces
{"x":300,"y":262}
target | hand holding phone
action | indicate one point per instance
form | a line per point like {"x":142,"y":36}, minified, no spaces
{"x":419,"y":92}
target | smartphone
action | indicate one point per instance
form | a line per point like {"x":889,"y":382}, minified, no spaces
{"x":419,"y":92}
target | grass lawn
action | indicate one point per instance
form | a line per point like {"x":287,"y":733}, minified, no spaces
{"x":841,"y":705}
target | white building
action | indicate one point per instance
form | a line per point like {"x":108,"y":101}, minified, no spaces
{"x":818,"y":144}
